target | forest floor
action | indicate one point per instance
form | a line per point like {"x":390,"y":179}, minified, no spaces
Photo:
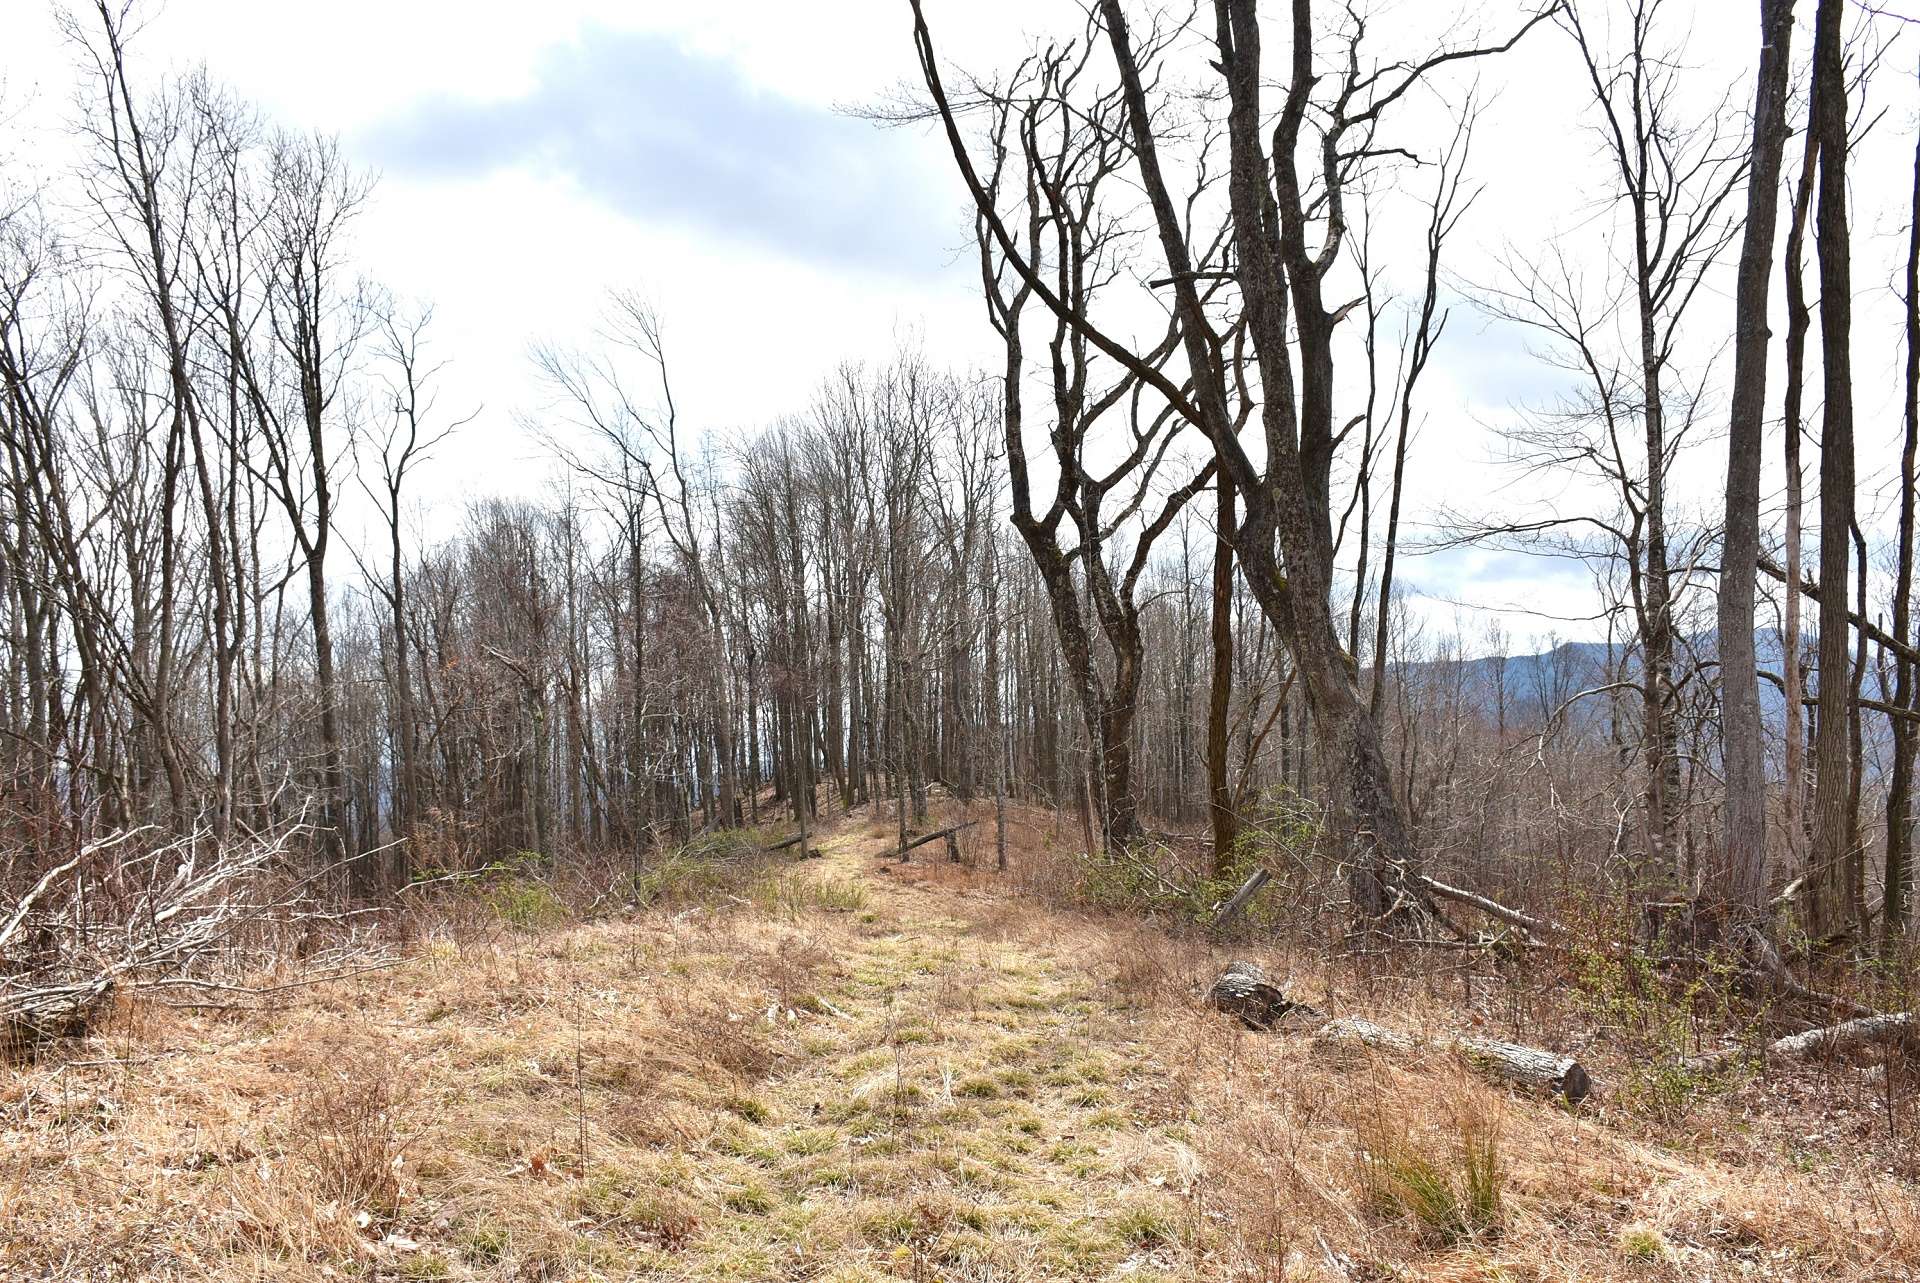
{"x":849,"y":1069}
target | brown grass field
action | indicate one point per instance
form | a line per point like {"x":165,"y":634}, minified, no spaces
{"x":847,"y":1070}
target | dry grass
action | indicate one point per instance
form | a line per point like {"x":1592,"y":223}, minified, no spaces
{"x":861,"y":1070}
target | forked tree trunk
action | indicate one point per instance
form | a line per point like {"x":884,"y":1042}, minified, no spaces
{"x":1365,"y":808}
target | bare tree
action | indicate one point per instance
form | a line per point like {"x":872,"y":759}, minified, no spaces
{"x":1063,"y":152}
{"x":1630,"y":410}
{"x":1676,"y":184}
{"x":410,"y":438}
{"x":315,"y":320}
{"x":1280,"y":274}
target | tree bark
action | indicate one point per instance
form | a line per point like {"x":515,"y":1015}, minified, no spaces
{"x":1906,"y":736}
{"x":1830,"y":908}
{"x":1226,"y":825}
{"x":1736,"y":884}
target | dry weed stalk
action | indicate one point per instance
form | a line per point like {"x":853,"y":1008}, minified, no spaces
{"x":348,"y":1130}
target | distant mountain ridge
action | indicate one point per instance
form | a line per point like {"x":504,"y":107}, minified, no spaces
{"x":1532,"y":686}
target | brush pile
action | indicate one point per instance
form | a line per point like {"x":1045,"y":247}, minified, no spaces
{"x":139,"y":910}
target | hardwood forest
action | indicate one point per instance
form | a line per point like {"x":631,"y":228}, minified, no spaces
{"x":1025,"y":811}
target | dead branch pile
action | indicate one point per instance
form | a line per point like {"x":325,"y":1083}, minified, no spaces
{"x":139,"y":910}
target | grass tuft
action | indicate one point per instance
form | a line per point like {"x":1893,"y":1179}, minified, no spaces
{"x":1453,"y":1188}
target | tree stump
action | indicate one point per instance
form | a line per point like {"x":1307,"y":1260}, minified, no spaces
{"x":1241,"y":898}
{"x":1245,"y":991}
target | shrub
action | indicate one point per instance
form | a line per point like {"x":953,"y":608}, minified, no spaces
{"x":1644,"y":1243}
{"x":710,"y":867}
{"x":526,"y":903}
{"x":839,"y":895}
{"x":720,"y":845}
{"x":1658,"y":1023}
{"x":674,"y":879}
{"x":1278,"y":833}
{"x":1142,"y":1226}
{"x":631,"y":1209}
{"x":347,"y":1129}
{"x":706,"y":1032}
{"x":790,"y":894}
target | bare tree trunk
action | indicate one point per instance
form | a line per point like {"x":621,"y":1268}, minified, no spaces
{"x":1795,"y":811}
{"x":897,"y":726}
{"x":1366,"y":808}
{"x":409,"y":725}
{"x":996,"y":705}
{"x":639,"y":770}
{"x":1737,"y":882}
{"x":1830,"y":910}
{"x":753,"y":731}
{"x":1906,"y":737}
{"x":1220,"y":689}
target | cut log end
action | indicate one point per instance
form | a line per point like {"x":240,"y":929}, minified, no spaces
{"x":1574,"y":1083}
{"x":1545,"y":1072}
{"x":1245,"y":992}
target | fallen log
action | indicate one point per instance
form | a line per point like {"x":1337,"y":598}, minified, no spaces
{"x":1847,"y":1036}
{"x":1494,"y":909}
{"x":1245,"y":992}
{"x":1531,"y":1068}
{"x":1843,"y":1039}
{"x":950,"y":834}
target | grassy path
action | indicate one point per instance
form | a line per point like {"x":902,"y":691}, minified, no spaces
{"x":846,"y":1070}
{"x":967,"y":1109}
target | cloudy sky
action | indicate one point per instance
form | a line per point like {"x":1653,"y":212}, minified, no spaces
{"x":529,"y":157}
{"x":532,"y":156}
